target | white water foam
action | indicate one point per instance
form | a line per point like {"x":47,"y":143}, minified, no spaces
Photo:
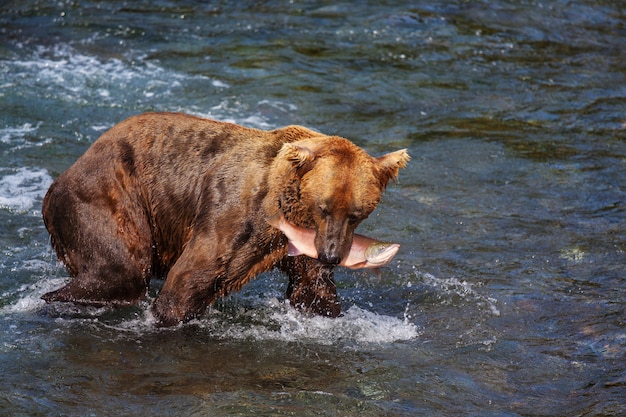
{"x":68,"y":75}
{"x":65,"y":74}
{"x":21,"y":137}
{"x":10,"y":134}
{"x":21,"y":188}
{"x":281,"y":322}
{"x":225,"y":110}
{"x":277,"y":320}
{"x":270,"y":319}
{"x":29,"y":295}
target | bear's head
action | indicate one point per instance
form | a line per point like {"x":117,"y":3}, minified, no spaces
{"x":332,"y":186}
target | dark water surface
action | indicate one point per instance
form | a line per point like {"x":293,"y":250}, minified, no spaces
{"x":508,"y":296}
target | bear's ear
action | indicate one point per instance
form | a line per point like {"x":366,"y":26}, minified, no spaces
{"x":390,"y":164}
{"x":298,"y":155}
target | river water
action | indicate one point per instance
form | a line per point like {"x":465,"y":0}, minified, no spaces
{"x":508,"y":296}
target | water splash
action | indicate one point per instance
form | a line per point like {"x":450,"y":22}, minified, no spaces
{"x":460,"y":288}
{"x":21,"y":188}
{"x":268,"y":319}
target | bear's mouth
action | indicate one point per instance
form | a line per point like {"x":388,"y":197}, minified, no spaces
{"x":329,"y":260}
{"x":364,"y":252}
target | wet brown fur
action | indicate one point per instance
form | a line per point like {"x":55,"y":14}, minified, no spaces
{"x":186,"y":198}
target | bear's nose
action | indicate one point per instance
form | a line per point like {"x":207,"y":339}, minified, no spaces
{"x":329,"y":259}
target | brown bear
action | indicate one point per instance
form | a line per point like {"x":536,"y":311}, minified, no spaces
{"x":187,"y":198}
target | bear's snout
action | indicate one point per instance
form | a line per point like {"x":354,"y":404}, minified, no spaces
{"x":332,"y":241}
{"x":329,"y":259}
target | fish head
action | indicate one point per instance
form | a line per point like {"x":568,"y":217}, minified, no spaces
{"x":381,"y":253}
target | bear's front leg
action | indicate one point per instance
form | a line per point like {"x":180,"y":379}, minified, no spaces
{"x":193,"y":283}
{"x":212,"y":267}
{"x":184,"y":297}
{"x":311,"y":286}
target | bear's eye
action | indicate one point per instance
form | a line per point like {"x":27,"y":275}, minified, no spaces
{"x":324,"y":210}
{"x":353,"y":218}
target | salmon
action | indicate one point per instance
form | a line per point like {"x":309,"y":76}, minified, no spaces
{"x":365,"y":252}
